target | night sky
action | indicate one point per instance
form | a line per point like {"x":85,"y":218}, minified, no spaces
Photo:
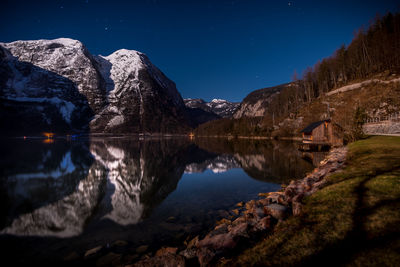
{"x":211,"y":49}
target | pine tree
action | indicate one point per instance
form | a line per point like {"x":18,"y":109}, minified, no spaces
{"x":358,"y":122}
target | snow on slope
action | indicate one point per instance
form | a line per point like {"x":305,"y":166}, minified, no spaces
{"x":121,"y":92}
{"x":220,"y":107}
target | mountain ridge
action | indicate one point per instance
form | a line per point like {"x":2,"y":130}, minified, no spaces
{"x":67,"y":89}
{"x":223,"y":108}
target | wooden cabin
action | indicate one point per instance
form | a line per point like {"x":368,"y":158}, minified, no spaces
{"x":321,"y":135}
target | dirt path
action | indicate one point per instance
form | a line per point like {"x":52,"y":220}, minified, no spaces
{"x":358,"y":85}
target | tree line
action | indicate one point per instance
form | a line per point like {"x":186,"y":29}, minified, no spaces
{"x":373,"y":51}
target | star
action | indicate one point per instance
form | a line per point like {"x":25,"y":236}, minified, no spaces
{"x":106,"y":28}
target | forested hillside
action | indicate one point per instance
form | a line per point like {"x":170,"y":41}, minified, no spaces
{"x":373,"y":57}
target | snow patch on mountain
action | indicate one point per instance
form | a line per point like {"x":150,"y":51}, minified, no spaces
{"x":121,"y":92}
{"x":221,"y":107}
{"x":122,"y":63}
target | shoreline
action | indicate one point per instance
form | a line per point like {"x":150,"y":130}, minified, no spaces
{"x":142,"y":136}
{"x":230,"y":137}
{"x":250,"y":220}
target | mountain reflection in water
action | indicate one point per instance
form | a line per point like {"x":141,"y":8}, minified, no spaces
{"x":68,"y":189}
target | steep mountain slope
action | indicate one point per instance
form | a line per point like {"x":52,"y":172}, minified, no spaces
{"x":34,"y":99}
{"x":67,"y":58}
{"x":278,"y":111}
{"x":140,"y":98}
{"x":63,"y":88}
{"x":256,"y":103}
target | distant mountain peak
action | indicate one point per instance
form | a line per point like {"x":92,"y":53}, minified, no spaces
{"x":221,"y":107}
{"x":217,"y":100}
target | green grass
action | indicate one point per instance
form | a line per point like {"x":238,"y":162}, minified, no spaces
{"x":354,"y":221}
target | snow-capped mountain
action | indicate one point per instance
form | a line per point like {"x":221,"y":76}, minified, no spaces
{"x":61,"y":87}
{"x":197,"y":103}
{"x":139,"y":96}
{"x":34,"y":99}
{"x":222,"y":108}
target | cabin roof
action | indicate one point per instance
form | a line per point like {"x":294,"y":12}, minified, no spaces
{"x":312,"y":126}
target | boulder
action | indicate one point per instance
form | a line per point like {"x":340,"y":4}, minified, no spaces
{"x":239,"y":220}
{"x":276,"y":197}
{"x":277,"y":211}
{"x":255,"y":213}
{"x":219,"y":229}
{"x":263,"y":224}
{"x":189,"y":253}
{"x":218,"y":242}
{"x":264,"y":201}
{"x":166,"y":250}
{"x":205,"y":256}
{"x":239,"y":230}
{"x":251,"y":204}
{"x":193,"y":243}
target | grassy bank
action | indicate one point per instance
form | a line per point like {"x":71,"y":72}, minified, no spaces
{"x":353,"y":221}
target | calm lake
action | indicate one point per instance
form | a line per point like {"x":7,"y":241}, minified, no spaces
{"x":61,"y":197}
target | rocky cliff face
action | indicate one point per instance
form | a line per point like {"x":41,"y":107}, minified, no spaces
{"x":256,"y":103}
{"x":140,"y":98}
{"x":62,"y":87}
{"x":35,"y":99}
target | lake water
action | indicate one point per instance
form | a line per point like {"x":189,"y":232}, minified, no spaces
{"x":62,"y":197}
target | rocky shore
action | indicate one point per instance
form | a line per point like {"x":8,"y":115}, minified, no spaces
{"x":249,"y":221}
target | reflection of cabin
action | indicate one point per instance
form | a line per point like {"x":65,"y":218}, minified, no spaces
{"x":321,"y":135}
